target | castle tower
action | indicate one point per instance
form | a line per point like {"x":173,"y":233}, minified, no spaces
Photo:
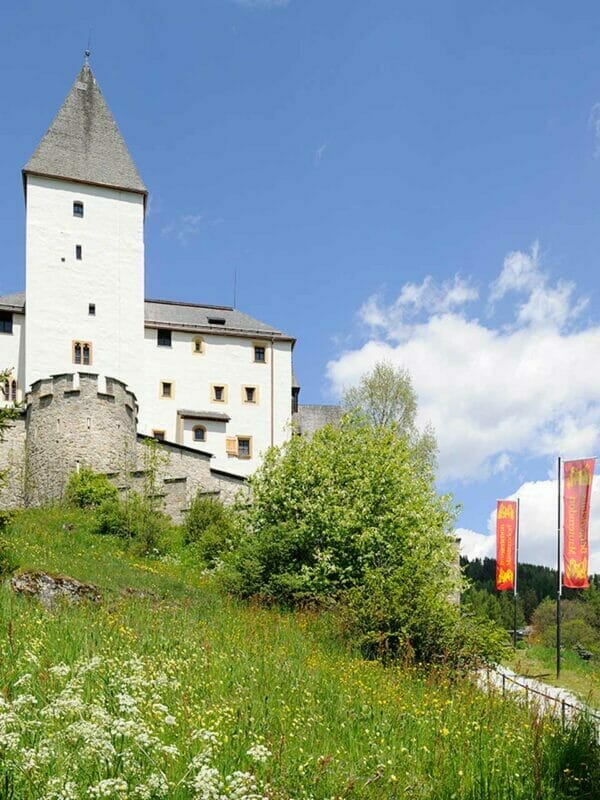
{"x":84,"y":245}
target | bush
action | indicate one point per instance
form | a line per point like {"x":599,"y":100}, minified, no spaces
{"x":88,"y":489}
{"x":210,"y":527}
{"x":351,"y":516}
{"x":8,"y":558}
{"x":135,"y":519}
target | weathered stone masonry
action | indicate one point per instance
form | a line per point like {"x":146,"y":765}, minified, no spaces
{"x":81,"y":419}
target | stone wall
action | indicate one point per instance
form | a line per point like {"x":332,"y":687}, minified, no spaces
{"x":12,"y":463}
{"x":76,"y":420}
{"x":309,"y":418}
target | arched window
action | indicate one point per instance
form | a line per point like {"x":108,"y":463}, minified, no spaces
{"x":82,"y":353}
{"x":199,"y":432}
{"x":197,"y":345}
{"x":9,"y":390}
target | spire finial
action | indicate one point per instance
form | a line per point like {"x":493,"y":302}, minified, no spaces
{"x":88,"y":49}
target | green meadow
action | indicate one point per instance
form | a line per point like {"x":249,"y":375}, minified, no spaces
{"x":169,"y":689}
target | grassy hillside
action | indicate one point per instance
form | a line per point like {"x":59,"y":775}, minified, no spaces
{"x":182,"y":693}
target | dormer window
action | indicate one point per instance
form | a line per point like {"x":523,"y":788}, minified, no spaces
{"x":6,"y":322}
{"x":78,"y":208}
{"x":216,"y":321}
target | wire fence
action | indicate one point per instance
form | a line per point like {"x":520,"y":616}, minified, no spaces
{"x":535,"y":696}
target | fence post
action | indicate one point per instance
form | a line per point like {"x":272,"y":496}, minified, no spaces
{"x":503,"y":684}
{"x":563,"y":714}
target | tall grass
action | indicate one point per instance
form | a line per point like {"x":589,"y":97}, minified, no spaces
{"x":189,"y":695}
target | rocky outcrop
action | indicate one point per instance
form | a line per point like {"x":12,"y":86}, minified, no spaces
{"x":49,"y":589}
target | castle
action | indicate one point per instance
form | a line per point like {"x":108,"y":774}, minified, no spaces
{"x":95,"y":367}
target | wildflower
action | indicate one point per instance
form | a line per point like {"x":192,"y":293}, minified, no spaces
{"x":170,"y":720}
{"x":110,"y":787}
{"x":259,"y":753}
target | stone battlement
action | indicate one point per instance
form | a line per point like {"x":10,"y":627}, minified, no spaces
{"x":86,"y":386}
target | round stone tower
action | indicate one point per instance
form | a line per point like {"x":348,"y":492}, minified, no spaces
{"x":76,"y":420}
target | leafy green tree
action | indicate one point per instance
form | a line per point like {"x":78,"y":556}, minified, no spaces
{"x":386,"y":398}
{"x":352,"y":517}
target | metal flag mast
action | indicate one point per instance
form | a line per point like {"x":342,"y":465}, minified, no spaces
{"x":516,"y":571}
{"x":559,"y":587}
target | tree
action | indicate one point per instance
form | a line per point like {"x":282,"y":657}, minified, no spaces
{"x":350,"y":518}
{"x":385,"y":397}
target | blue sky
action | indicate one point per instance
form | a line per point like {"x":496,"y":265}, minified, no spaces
{"x":419,"y":183}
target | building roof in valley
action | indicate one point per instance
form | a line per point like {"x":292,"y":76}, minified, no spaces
{"x":84,"y":144}
{"x":213,"y":319}
{"x":186,"y":316}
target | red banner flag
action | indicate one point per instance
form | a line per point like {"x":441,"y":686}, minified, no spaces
{"x":506,"y":529}
{"x":578,"y":477}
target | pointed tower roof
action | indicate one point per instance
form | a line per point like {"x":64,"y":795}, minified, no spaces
{"x":84,"y":144}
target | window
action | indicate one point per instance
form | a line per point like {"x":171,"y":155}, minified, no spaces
{"x":166,"y":389}
{"x":249,"y":394}
{"x":78,"y":208}
{"x":9,"y":390}
{"x":92,"y":309}
{"x":82,"y":353}
{"x":159,"y":435}
{"x":260,"y":353}
{"x":219,"y":393}
{"x":197,"y":345}
{"x":240,"y":446}
{"x":295,"y":397}
{"x":216,"y":321}
{"x":199,"y":432}
{"x":78,"y":252}
{"x":6,"y":322}
{"x":244,"y":446}
{"x":163,"y":337}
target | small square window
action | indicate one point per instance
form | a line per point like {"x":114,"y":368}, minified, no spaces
{"x":92,"y":309}
{"x":166,"y":389}
{"x":163,"y":337}
{"x":78,"y":208}
{"x":6,"y":322}
{"x":249,"y":394}
{"x":259,"y":353}
{"x":159,"y":435}
{"x":197,"y":345}
{"x":78,"y":252}
{"x":244,"y":448}
{"x":219,"y":394}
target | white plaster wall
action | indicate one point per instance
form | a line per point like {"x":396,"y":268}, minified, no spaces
{"x":226,"y":360}
{"x":110,"y":274}
{"x":12,"y":354}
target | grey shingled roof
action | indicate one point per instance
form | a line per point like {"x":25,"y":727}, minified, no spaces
{"x":185,"y":316}
{"x":14,"y":302}
{"x":171,"y":314}
{"x":219,"y":416}
{"x":83,"y":143}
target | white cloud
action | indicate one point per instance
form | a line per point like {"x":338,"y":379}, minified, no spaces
{"x":492,"y":393}
{"x":319,"y":153}
{"x":184,"y":228}
{"x":538,"y":527}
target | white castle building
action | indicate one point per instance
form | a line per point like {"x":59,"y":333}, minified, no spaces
{"x":208,"y":378}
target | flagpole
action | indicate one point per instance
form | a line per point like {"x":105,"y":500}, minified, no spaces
{"x":516,"y":571}
{"x":559,"y":587}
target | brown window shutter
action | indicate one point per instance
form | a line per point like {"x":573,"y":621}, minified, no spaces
{"x":231,"y":446}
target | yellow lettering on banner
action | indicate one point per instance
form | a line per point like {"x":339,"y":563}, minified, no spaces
{"x":579,"y":476}
{"x":506,"y":511}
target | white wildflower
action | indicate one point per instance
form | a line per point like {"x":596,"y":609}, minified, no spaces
{"x":59,"y":789}
{"x":110,"y":787}
{"x":259,"y":753}
{"x":24,"y":700}
{"x":26,"y":678}
{"x":170,"y":720}
{"x":207,"y":784}
{"x":156,"y":785}
{"x":60,"y":670}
